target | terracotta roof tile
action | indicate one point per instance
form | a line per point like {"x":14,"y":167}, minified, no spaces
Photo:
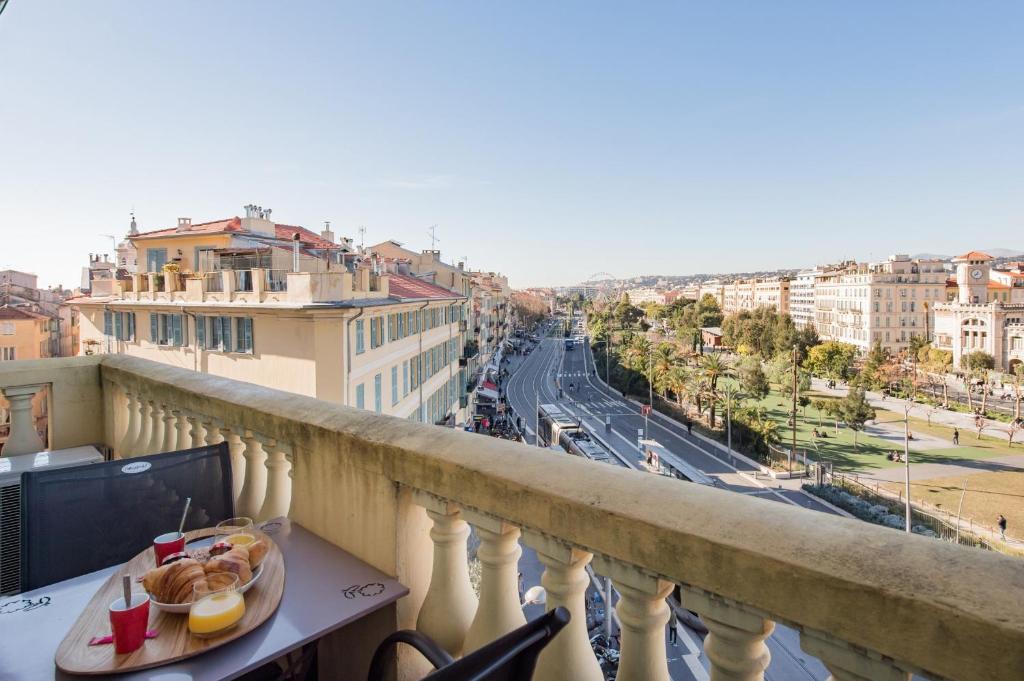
{"x":8,"y":312}
{"x":404,"y":286}
{"x":216,"y":227}
{"x":974,"y":255}
{"x":310,"y":239}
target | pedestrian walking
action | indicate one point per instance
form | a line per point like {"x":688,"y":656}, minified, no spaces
{"x":673,"y":622}
{"x":689,"y":426}
{"x":956,"y":437}
{"x":1002,"y":527}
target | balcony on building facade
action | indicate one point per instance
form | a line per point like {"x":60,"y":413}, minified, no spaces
{"x":870,"y":602}
{"x":254,"y":285}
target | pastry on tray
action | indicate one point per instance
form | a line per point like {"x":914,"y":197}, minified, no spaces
{"x":173,"y":583}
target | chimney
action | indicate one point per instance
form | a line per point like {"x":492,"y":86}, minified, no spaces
{"x":184,"y":224}
{"x":295,"y":252}
{"x":133,"y":229}
{"x":257,"y":220}
{"x":434,"y":255}
{"x":462,"y":265}
{"x":327,"y":234}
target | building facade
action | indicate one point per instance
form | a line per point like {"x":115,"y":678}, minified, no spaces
{"x":280,"y":306}
{"x":888,"y":302}
{"x":987,"y":313}
{"x":801,"y":297}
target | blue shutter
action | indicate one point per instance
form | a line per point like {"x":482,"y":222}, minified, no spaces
{"x":245,"y":334}
{"x":131,"y":325}
{"x":360,"y":396}
{"x":201,"y":331}
{"x":225,"y":332}
{"x":394,"y":384}
{"x":360,"y":342}
{"x":118,"y":326}
{"x":108,"y":323}
{"x":154,"y":327}
{"x":177,"y":336}
{"x":377,"y":389}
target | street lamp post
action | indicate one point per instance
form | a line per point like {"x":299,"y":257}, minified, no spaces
{"x":650,"y":387}
{"x":906,"y":458}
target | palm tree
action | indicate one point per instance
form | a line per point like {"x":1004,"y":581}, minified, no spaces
{"x":664,"y":359}
{"x":712,"y":367}
{"x":678,"y":383}
{"x":636,"y":355}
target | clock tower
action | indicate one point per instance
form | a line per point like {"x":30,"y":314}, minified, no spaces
{"x":972,"y":274}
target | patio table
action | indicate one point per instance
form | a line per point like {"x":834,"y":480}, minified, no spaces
{"x":326,"y":588}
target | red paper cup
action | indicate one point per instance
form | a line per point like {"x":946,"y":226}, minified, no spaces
{"x":129,"y":624}
{"x":166,"y":544}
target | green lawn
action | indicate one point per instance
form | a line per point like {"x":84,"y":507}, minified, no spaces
{"x":871,"y":451}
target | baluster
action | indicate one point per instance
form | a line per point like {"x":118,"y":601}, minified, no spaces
{"x":254,"y":487}
{"x":213,"y":433}
{"x":182,"y":439}
{"x":279,"y":481}
{"x":643,"y":614}
{"x":131,"y":433}
{"x":569,"y":656}
{"x":169,"y":442}
{"x":145,"y":428}
{"x":22,"y":437}
{"x":499,"y":610}
{"x":156,"y":429}
{"x":847,"y":663}
{"x":195,"y":432}
{"x":450,"y":604}
{"x":735,"y":642}
{"x":236,"y":449}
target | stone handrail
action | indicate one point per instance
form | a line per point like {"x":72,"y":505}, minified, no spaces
{"x":871,"y":602}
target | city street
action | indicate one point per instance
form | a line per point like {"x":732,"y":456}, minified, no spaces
{"x":535,"y":378}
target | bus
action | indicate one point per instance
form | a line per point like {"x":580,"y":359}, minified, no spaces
{"x":569,"y":343}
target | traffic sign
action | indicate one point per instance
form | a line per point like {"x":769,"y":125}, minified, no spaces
{"x":645,"y":410}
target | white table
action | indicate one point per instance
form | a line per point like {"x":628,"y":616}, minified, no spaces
{"x":325,"y":589}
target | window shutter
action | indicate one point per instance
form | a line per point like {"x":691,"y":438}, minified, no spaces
{"x":154,"y":327}
{"x":118,"y":323}
{"x":225,"y":333}
{"x":108,"y":323}
{"x":131,"y":326}
{"x":201,"y":331}
{"x":176,"y":334}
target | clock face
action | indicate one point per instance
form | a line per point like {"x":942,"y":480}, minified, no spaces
{"x":976,"y":274}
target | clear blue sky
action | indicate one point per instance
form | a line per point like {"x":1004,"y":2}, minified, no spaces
{"x":548,"y":140}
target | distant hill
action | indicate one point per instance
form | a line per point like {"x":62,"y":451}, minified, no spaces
{"x":994,"y":252}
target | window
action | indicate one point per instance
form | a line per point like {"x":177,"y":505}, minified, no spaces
{"x":217,"y":333}
{"x":244,"y":335}
{"x":124,"y":325}
{"x":377,"y":407}
{"x":360,"y":341}
{"x":360,"y":396}
{"x":7,"y":328}
{"x":394,"y":385}
{"x":156,"y":258}
{"x":405,"y":378}
{"x":167,"y":329}
{"x":7,"y":354}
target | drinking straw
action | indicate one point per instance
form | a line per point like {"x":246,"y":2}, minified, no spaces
{"x":181,"y":526}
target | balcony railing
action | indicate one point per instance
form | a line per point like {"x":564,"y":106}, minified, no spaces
{"x":242,"y":280}
{"x":213,"y":282}
{"x":276,"y":280}
{"x":870,"y":602}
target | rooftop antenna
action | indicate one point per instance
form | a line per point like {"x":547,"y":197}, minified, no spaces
{"x":113,"y":244}
{"x":362,"y":237}
{"x":432,"y":232}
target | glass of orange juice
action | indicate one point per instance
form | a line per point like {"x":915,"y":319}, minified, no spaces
{"x":215,"y":611}
{"x":236,"y":531}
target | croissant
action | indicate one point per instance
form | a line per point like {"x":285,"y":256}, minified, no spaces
{"x":235,"y":561}
{"x":257,"y":551}
{"x":174,"y":583}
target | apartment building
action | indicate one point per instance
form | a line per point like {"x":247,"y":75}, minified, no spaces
{"x":801,"y":297}
{"x":986,"y":314}
{"x":646,"y":294}
{"x":749,"y":294}
{"x":889,"y":302}
{"x":20,"y":290}
{"x":280,"y":306}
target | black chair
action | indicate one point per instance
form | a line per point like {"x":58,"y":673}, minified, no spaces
{"x":509,"y":658}
{"x":80,"y":519}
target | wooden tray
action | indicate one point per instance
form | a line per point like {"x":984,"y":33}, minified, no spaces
{"x":76,"y":656}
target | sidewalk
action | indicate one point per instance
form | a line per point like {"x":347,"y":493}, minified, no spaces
{"x":953,"y":419}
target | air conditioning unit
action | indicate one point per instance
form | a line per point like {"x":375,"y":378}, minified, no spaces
{"x":11,"y":468}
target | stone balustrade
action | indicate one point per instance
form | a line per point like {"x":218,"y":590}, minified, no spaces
{"x":870,"y":602}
